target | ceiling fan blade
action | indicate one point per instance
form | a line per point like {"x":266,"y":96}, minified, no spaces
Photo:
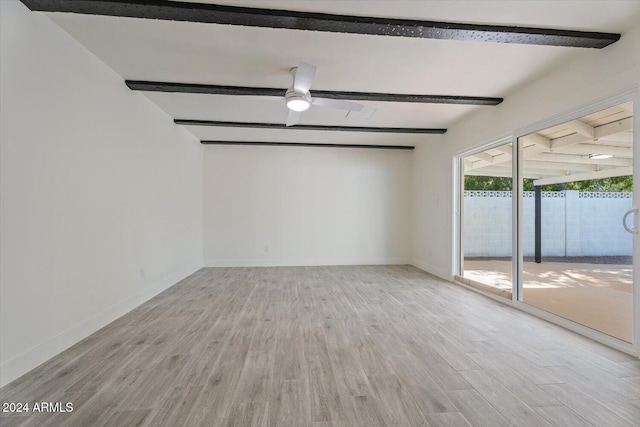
{"x":293,"y":118}
{"x":365,"y":113}
{"x":337,"y":103}
{"x":304,"y":77}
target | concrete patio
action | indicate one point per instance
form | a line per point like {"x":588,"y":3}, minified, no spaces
{"x":595,"y":295}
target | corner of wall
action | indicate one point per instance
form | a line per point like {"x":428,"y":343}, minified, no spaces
{"x":23,"y":363}
{"x":110,"y":191}
{"x":432,"y":269}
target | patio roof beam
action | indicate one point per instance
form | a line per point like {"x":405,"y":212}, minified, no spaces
{"x":502,"y":174}
{"x":543,"y":172}
{"x":624,"y":125}
{"x":468,"y":164}
{"x":579,"y":158}
{"x":582,"y":128}
{"x":506,"y":150}
{"x":566,"y":141}
{"x":603,"y":132}
{"x":607,"y":173}
{"x":586,"y":149}
{"x":537,"y":139}
{"x":549,"y":168}
{"x":537,"y":164}
{"x":484,"y":157}
{"x":496,"y":160}
{"x":624,"y":139}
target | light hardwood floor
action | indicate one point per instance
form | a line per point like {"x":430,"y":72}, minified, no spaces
{"x":330,"y":346}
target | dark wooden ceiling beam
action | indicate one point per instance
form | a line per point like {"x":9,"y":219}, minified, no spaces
{"x":310,"y":144}
{"x":275,"y":92}
{"x":311,"y":21}
{"x":308,"y":127}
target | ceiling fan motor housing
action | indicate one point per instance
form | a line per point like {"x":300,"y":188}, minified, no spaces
{"x":297,"y":101}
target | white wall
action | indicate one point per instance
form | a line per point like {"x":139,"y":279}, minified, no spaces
{"x":96,"y":184}
{"x":573,"y":224}
{"x":591,"y":77}
{"x":306,"y":206}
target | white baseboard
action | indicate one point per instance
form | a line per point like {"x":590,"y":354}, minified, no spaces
{"x":20,"y":365}
{"x":436,"y":271}
{"x":299,"y":262}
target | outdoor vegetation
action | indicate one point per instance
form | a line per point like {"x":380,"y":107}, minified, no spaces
{"x":492,"y":183}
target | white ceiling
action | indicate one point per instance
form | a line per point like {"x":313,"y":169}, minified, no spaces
{"x":155,"y":50}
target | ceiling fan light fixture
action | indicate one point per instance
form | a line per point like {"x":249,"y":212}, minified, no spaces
{"x":298,"y":104}
{"x":600,"y":156}
{"x":297,"y":101}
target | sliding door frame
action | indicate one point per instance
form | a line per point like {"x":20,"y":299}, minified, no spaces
{"x":630,"y":94}
{"x":458,"y":204}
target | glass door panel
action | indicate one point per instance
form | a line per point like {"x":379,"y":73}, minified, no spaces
{"x":578,"y":257}
{"x":486,"y":238}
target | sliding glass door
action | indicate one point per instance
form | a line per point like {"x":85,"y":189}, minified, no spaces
{"x":578,"y":187}
{"x":560,"y":237}
{"x":487,"y":221}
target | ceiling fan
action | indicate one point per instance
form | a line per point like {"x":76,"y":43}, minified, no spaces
{"x":299,"y":98}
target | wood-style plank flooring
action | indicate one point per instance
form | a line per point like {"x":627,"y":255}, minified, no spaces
{"x":330,"y":346}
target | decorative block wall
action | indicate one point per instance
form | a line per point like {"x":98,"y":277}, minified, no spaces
{"x":573,"y":223}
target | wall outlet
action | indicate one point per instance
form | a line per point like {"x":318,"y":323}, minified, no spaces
{"x":142,"y":273}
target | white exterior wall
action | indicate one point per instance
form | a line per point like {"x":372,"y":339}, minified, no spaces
{"x":601,"y":224}
{"x":487,"y":224}
{"x":573,"y":224}
{"x":101,"y":194}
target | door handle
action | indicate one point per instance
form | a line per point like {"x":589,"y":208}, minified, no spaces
{"x":631,"y":230}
